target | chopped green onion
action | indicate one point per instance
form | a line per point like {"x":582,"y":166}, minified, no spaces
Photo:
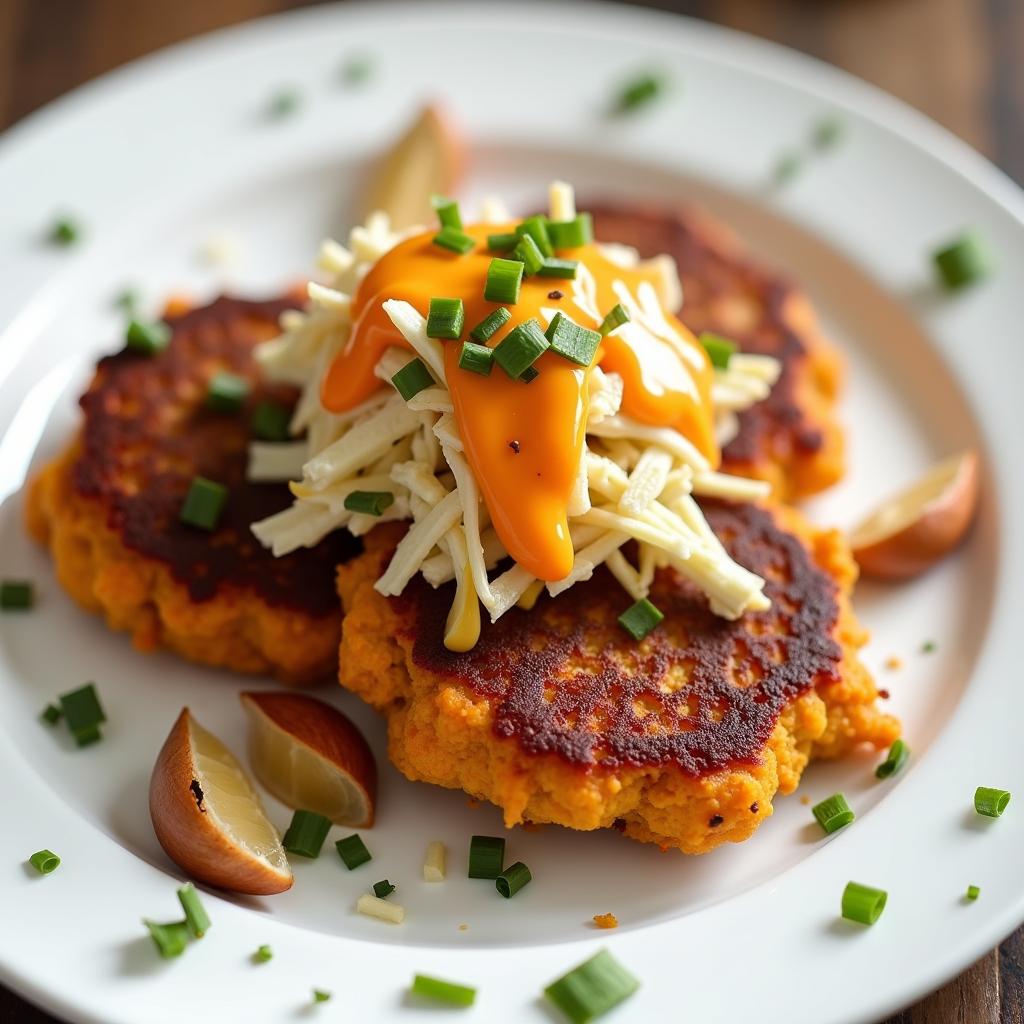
{"x":383,"y":889}
{"x":521,"y":348}
{"x":615,"y":317}
{"x":899,"y":752}
{"x":352,"y":850}
{"x":490,"y":324}
{"x":528,"y":254}
{"x":973,"y":892}
{"x":571,"y":341}
{"x":504,"y":278}
{"x":356,"y":69}
{"x":204,"y":503}
{"x":227,"y":392}
{"x":443,"y":991}
{"x":369,"y":503}
{"x":83,"y":713}
{"x":284,"y":103}
{"x":128,"y":301}
{"x":928,"y":647}
{"x":263,"y":954}
{"x":454,"y":240}
{"x":833,"y":814}
{"x":562,"y":269}
{"x":270,"y":422}
{"x":787,"y":167}
{"x":51,"y":714}
{"x":638,"y":92}
{"x":964,"y":261}
{"x":592,"y":989}
{"x":529,"y":374}
{"x":169,"y":939}
{"x":16,"y":595}
{"x":503,"y":241}
{"x":990,"y":802}
{"x":863,"y":904}
{"x":512,"y":879}
{"x":195,"y":913}
{"x":320,"y":996}
{"x":65,"y":231}
{"x":306,"y":833}
{"x":827,"y":132}
{"x":147,"y":339}
{"x":445,"y":318}
{"x":412,"y":378}
{"x":476,"y":358}
{"x":571,"y":234}
{"x":720,"y":350}
{"x":486,"y":856}
{"x":537,"y":228}
{"x":44,"y":861}
{"x":640,"y":618}
{"x":447,"y":211}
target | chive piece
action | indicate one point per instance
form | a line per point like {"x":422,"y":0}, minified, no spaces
{"x":196,"y":918}
{"x":531,"y":373}
{"x":527,"y":252}
{"x":973,"y":892}
{"x":147,"y":339}
{"x":443,"y":991}
{"x":454,"y":240}
{"x":51,"y":714}
{"x":204,"y":503}
{"x":227,"y":392}
{"x":306,"y":834}
{"x":169,"y":939}
{"x":564,"y":270}
{"x":833,"y":813}
{"x":320,"y":995}
{"x":863,"y":904}
{"x":263,"y":954}
{"x":614,"y":318}
{"x":827,"y":132}
{"x":283,"y":103}
{"x":990,"y":802}
{"x":899,"y":753}
{"x":788,"y":166}
{"x":476,"y":358}
{"x":503,"y":241}
{"x":719,"y":349}
{"x":640,"y":618}
{"x":83,"y":713}
{"x":592,"y":989}
{"x":536,"y":227}
{"x":638,"y":92}
{"x":490,"y":325}
{"x":127,"y":301}
{"x":44,"y":861}
{"x":270,"y":422}
{"x":65,"y":231}
{"x":571,"y":234}
{"x":369,"y":503}
{"x":383,"y":889}
{"x":929,"y":647}
{"x":87,"y":737}
{"x":571,"y":341}
{"x":486,"y":856}
{"x":412,"y":378}
{"x":356,"y":69}
{"x":512,"y":879}
{"x":964,"y":261}
{"x":521,"y":348}
{"x":504,"y":278}
{"x":352,"y":850}
{"x":16,"y":595}
{"x":447,"y":211}
{"x":446,"y":318}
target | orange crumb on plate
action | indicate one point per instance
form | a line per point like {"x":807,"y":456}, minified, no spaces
{"x":606,"y":921}
{"x":893,"y":663}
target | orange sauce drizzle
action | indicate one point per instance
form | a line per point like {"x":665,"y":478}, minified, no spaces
{"x":523,"y":441}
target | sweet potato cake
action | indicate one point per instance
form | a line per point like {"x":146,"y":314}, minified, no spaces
{"x":790,"y":438}
{"x":682,"y":739}
{"x":109,"y":507}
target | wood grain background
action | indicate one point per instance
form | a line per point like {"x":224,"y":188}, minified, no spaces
{"x":959,"y":61}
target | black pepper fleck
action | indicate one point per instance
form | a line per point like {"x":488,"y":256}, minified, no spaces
{"x":884,"y":694}
{"x":514,"y":445}
{"x":716,"y":820}
{"x":556,"y":294}
{"x":754,"y":807}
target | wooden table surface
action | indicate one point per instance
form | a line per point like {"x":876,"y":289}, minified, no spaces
{"x":960,"y":61}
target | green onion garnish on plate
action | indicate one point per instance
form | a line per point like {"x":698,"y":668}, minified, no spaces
{"x":964,"y":261}
{"x":65,"y":231}
{"x":263,"y":954}
{"x":536,"y":227}
{"x":44,"y":861}
{"x":383,"y":889}
{"x":227,"y":392}
{"x":862,"y":903}
{"x":973,"y":892}
{"x":503,"y":241}
{"x":788,"y":166}
{"x":720,"y":350}
{"x":570,"y":234}
{"x":476,"y":358}
{"x":592,"y":989}
{"x":357,"y":69}
{"x":615,"y":317}
{"x":833,"y":813}
{"x":491,"y":324}
{"x":447,"y":211}
{"x":521,"y":348}
{"x":353,"y":852}
{"x":147,"y":339}
{"x":528,"y":254}
{"x":486,"y":856}
{"x":369,"y":503}
{"x":83,"y":713}
{"x":443,"y":991}
{"x":270,"y":422}
{"x":51,"y":714}
{"x":638,"y":92}
{"x":828,"y":132}
{"x":445,"y":318}
{"x":512,"y":879}
{"x":283,"y":103}
{"x":204,"y":503}
{"x":990,"y":802}
{"x":306,"y":833}
{"x":16,"y":595}
{"x":412,"y":378}
{"x":454,"y":240}
{"x":127,"y":300}
{"x":640,"y":618}
{"x":899,"y":754}
{"x":321,"y":995}
{"x":169,"y":939}
{"x":504,"y":278}
{"x":564,"y":270}
{"x":196,"y":918}
{"x":571,"y":341}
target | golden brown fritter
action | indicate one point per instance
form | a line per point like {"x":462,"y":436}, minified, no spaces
{"x":682,"y":739}
{"x":108,"y":508}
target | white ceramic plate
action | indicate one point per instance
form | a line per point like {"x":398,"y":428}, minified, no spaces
{"x":162,"y":157}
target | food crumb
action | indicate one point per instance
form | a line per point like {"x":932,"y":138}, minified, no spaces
{"x":463,"y":927}
{"x":805,"y":799}
{"x":884,"y":694}
{"x":893,"y":663}
{"x":928,"y":647}
{"x":514,"y":445}
{"x":606,"y":921}
{"x":556,"y":294}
